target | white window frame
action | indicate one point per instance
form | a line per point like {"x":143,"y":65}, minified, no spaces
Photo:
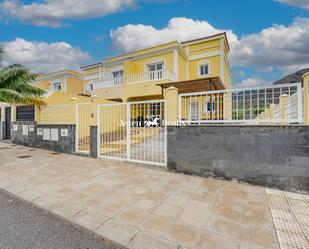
{"x":90,"y":86}
{"x":57,"y":82}
{"x":213,"y":105}
{"x":203,"y":63}
{"x":155,"y":61}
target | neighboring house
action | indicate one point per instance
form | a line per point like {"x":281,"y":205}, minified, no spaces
{"x":191,"y":66}
{"x":65,"y":81}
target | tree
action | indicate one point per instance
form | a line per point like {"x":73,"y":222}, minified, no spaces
{"x":16,"y":87}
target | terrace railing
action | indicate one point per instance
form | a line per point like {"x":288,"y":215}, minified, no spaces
{"x":258,"y":105}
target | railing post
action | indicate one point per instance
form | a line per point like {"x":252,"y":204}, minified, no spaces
{"x":283,"y":100}
{"x":306,"y":98}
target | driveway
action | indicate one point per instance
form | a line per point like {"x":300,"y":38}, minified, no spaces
{"x":23,"y":226}
{"x":142,"y":208}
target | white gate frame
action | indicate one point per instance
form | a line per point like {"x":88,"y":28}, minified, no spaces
{"x":77,"y":128}
{"x":128,"y":132}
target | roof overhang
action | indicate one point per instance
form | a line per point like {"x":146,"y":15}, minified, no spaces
{"x":197,"y":85}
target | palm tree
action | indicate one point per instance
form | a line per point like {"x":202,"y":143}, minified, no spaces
{"x":16,"y":87}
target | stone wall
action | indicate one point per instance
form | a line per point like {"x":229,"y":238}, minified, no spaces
{"x":266,"y":155}
{"x":64,"y":141}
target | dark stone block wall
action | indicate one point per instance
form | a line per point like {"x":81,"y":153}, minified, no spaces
{"x":64,"y":144}
{"x":265,"y":155}
{"x":94,"y":141}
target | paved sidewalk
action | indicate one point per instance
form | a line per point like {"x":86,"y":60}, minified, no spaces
{"x":140,"y":207}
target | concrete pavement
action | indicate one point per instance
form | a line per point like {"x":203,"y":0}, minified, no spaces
{"x":140,"y":207}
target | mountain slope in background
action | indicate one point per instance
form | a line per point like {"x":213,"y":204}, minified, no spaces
{"x":293,"y":78}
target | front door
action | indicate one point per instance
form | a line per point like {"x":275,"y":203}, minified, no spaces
{"x":194,"y":111}
{"x":7,"y":125}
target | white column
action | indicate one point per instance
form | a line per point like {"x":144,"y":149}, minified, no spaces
{"x":176,"y":63}
{"x":222,"y":58}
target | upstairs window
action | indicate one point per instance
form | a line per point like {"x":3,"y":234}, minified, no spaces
{"x":155,"y":70}
{"x":90,"y":87}
{"x":57,"y":86}
{"x":203,"y":69}
{"x":118,"y":77}
{"x":155,"y":66}
{"x":118,"y":74}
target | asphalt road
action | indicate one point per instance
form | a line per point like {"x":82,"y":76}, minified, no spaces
{"x":24,"y":227}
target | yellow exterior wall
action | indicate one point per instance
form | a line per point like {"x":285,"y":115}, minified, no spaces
{"x":75,"y":86}
{"x":204,"y":47}
{"x":182,"y":68}
{"x":44,"y":85}
{"x":214,"y":67}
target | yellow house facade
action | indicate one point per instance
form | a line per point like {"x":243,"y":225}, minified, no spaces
{"x":138,"y":75}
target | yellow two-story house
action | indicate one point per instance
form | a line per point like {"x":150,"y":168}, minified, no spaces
{"x":190,"y":66}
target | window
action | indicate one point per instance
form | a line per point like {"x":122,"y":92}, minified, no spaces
{"x":155,"y":110}
{"x":57,"y":86}
{"x":155,"y":66}
{"x":209,"y":106}
{"x":118,"y":74}
{"x":90,"y":87}
{"x":118,"y":77}
{"x":155,"y":70}
{"x":203,"y":69}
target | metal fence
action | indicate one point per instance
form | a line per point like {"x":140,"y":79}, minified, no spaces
{"x":82,"y":134}
{"x":258,"y":105}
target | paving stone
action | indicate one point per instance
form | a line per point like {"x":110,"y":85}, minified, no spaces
{"x":31,"y":194}
{"x":144,"y":240}
{"x":132,"y":215}
{"x":65,"y":210}
{"x":156,"y":224}
{"x":215,"y":241}
{"x":184,"y":235}
{"x":90,"y":218}
{"x":117,"y":231}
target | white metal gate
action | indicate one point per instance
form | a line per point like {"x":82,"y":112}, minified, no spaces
{"x":133,"y":131}
{"x":82,"y":134}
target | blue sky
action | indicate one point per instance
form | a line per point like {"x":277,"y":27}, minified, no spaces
{"x":268,"y":37}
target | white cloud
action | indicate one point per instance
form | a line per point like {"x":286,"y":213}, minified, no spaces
{"x":252,"y":82}
{"x":277,"y":47}
{"x":297,"y":3}
{"x":43,"y":57}
{"x":53,"y":12}
{"x":283,"y":47}
{"x":132,"y":37}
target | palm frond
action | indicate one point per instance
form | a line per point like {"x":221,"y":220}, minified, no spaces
{"x":14,"y":97}
{"x":17,"y":78}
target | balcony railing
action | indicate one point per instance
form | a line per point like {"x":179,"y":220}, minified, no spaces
{"x":137,"y":78}
{"x":164,"y":74}
{"x":104,"y":83}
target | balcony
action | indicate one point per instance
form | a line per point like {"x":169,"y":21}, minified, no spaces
{"x":131,"y":79}
{"x":105,"y":83}
{"x":158,"y":75}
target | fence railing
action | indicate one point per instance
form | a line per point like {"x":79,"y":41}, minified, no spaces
{"x":164,"y":74}
{"x":269,"y":104}
{"x":58,"y":114}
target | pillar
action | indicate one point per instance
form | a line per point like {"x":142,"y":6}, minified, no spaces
{"x":171,"y":96}
{"x":283,"y":100}
{"x":306,"y":98}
